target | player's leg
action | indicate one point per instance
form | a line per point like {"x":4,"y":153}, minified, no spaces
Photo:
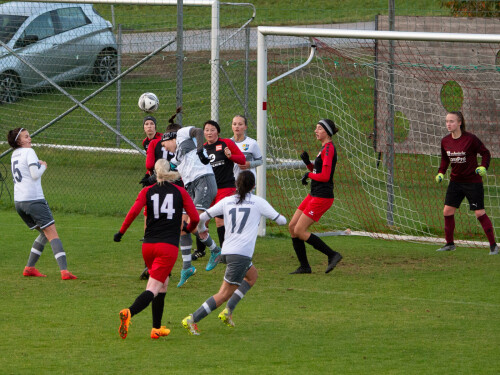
{"x":23,"y":209}
{"x":315,"y":208}
{"x":475,"y":196}
{"x":226,"y":316}
{"x":453,"y":199}
{"x":35,"y":253}
{"x":299,"y":245}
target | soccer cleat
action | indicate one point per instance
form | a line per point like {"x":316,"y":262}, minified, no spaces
{"x":66,"y":275}
{"x":190,"y":325}
{"x":197,"y":255}
{"x":447,"y":247}
{"x":144,"y":274}
{"x":494,"y":249}
{"x":226,"y":317}
{"x":215,"y":256}
{"x":332,"y":262}
{"x":301,"y":270}
{"x":32,"y":271}
{"x":185,"y":275}
{"x":124,"y":323}
{"x":156,"y":333}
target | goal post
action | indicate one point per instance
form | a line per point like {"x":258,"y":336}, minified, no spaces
{"x":349,"y":80}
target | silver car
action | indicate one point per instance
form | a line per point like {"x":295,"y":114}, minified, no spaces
{"x":63,"y":41}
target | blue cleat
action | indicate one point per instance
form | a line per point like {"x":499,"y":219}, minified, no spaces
{"x":215,"y":256}
{"x":185,"y":275}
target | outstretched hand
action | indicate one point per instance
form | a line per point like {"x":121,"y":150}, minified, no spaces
{"x":481,"y":171}
{"x":118,"y":237}
{"x":202,"y":157}
{"x":304,"y":179}
{"x":305,"y":158}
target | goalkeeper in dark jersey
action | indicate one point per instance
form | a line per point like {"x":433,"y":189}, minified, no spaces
{"x":459,"y":149}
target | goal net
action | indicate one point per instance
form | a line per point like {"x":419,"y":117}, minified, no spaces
{"x":389,"y":98}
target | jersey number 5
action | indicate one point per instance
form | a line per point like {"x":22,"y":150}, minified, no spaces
{"x":167,"y":207}
{"x":16,"y":173}
{"x":242,"y":220}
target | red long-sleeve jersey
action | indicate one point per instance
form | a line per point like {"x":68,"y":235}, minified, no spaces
{"x":322,"y":172}
{"x":221,"y":164}
{"x":164,"y":204}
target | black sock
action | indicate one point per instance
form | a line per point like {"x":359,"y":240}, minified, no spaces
{"x":221,"y":231}
{"x":157,"y":307}
{"x":200,"y":246}
{"x":319,"y":245}
{"x":300,"y":249}
{"x":141,"y":302}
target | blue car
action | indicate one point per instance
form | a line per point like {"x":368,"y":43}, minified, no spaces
{"x":63,"y":41}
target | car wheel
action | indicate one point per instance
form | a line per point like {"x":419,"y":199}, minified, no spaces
{"x":10,"y":88}
{"x":106,"y":66}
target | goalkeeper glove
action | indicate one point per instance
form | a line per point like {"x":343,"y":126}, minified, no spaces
{"x":118,"y":237}
{"x":439,"y":177}
{"x":304,"y":179}
{"x":305,"y":158}
{"x":202,"y":157}
{"x":481,"y":171}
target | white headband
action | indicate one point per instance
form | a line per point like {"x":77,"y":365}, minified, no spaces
{"x":326,"y":126}
{"x":15,"y":139}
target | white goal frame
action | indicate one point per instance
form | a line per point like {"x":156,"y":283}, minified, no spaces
{"x":262,"y":79}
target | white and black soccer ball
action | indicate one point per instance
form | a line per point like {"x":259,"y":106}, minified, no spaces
{"x":148,"y":102}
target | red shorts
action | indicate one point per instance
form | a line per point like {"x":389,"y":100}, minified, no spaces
{"x":160,"y":259}
{"x":314,"y":207}
{"x":223,"y":193}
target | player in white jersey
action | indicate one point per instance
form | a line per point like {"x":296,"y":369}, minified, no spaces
{"x":199,"y":181}
{"x":247,"y":145}
{"x":30,"y":203}
{"x":242,"y":213}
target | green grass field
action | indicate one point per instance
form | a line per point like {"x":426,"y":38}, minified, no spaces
{"x":388,"y":308}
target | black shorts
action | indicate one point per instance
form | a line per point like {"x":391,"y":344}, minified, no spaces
{"x":457,"y":191}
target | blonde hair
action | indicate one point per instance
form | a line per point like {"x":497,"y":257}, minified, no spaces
{"x":163,"y":172}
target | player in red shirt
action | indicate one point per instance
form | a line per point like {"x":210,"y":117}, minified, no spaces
{"x":149,"y":125}
{"x":164,"y":203}
{"x":460,"y":149}
{"x":318,"y":201}
{"x":223,"y":153}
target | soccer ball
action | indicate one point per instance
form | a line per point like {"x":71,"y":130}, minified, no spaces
{"x":148,"y":102}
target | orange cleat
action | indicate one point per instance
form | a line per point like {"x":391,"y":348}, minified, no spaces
{"x":66,"y":275}
{"x":156,"y":333}
{"x":32,"y":271}
{"x":125,"y":322}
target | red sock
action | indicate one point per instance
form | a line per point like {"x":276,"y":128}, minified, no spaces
{"x":487,"y":227}
{"x":449,"y":228}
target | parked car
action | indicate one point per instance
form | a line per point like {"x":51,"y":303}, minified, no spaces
{"x":63,"y":41}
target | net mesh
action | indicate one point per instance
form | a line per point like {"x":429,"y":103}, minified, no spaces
{"x":348,"y":81}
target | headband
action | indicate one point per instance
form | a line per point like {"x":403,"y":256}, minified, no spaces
{"x":17,"y":136}
{"x":327,"y":127}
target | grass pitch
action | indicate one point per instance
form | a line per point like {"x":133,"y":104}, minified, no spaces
{"x":388,"y":308}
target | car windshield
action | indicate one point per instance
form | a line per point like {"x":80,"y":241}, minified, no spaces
{"x":9,"y":24}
